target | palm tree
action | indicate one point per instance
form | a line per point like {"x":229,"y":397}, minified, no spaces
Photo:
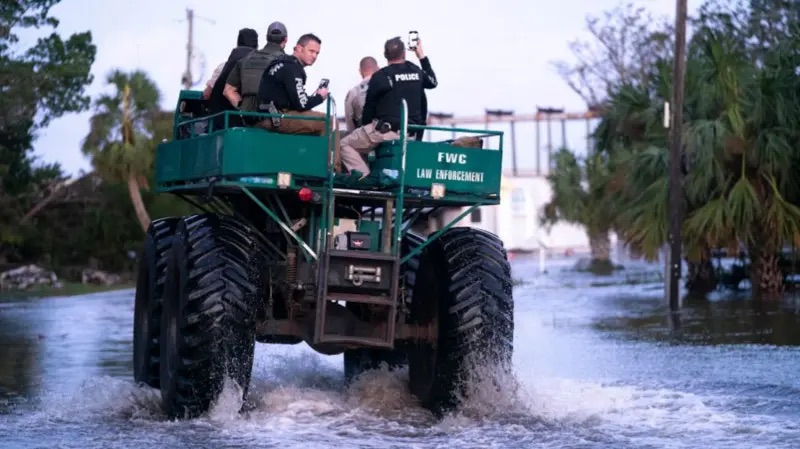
{"x":743,"y":153}
{"x":579,"y":197}
{"x":741,"y":121}
{"x":121,"y":138}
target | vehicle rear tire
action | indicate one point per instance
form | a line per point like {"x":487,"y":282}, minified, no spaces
{"x":462,"y":285}
{"x":357,"y":361}
{"x":208,"y":320}
{"x":149,"y":295}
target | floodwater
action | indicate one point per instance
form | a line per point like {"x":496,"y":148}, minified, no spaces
{"x":596,"y":367}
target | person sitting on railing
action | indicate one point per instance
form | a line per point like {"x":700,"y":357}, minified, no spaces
{"x":387,"y":88}
{"x":282,"y":91}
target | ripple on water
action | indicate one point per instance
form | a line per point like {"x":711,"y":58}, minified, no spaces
{"x":298,"y":398}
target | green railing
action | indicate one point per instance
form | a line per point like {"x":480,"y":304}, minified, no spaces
{"x":327,"y":119}
{"x":226,"y":115}
{"x":328,"y":212}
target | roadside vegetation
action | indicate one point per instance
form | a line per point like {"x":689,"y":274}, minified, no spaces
{"x":742,"y":127}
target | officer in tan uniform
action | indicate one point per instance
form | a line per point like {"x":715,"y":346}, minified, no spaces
{"x":354,"y":100}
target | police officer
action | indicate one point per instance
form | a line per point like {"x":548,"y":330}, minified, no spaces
{"x":355,"y":98}
{"x":241,"y":87}
{"x":399,"y":80}
{"x":282,"y":90}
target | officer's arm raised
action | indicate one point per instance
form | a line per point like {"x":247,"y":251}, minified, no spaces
{"x":428,"y":76}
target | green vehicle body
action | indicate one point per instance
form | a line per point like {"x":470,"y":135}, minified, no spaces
{"x":285,"y":185}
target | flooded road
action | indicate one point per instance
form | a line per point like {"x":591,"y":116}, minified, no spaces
{"x":596,"y":367}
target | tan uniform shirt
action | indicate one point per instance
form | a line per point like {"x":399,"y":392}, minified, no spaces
{"x":354,"y":104}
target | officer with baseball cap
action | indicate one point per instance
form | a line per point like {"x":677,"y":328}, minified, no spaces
{"x":241,"y":87}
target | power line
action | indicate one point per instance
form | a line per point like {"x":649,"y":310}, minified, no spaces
{"x":187,"y":79}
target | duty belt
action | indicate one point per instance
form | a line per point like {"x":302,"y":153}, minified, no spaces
{"x":384,"y":127}
{"x":271,"y":109}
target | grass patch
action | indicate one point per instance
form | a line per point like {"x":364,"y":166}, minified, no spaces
{"x":67,"y":289}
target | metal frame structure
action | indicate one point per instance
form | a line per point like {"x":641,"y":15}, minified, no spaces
{"x":314,"y":237}
{"x":546,"y":115}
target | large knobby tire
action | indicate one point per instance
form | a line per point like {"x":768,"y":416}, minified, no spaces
{"x":208,"y":325}
{"x":463,"y":285}
{"x":149,"y":295}
{"x":357,"y":361}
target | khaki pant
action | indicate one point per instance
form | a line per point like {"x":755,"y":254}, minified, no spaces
{"x":359,"y":143}
{"x":468,"y":142}
{"x":312,"y":127}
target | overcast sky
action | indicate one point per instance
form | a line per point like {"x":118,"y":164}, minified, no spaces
{"x":486,"y":54}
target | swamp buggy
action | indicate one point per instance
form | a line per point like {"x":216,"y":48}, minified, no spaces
{"x":284,"y":250}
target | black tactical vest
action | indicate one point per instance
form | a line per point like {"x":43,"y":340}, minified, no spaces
{"x":253,"y":67}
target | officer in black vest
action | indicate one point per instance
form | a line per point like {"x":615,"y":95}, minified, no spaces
{"x":241,"y":87}
{"x":388,"y":87}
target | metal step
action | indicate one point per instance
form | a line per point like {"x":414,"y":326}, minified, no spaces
{"x":322,"y":335}
{"x":360,"y":277}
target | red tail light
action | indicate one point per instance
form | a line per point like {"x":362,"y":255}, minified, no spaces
{"x":305,"y":194}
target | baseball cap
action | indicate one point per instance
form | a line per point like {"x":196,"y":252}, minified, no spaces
{"x":277,"y":30}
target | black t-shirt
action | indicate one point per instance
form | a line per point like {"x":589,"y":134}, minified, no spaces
{"x":283,"y":83}
{"x":393,"y":83}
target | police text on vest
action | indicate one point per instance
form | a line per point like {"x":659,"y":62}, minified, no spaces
{"x":406,"y":77}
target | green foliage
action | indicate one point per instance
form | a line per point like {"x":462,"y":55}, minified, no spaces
{"x":39,"y":84}
{"x":47,"y":79}
{"x":740,"y":132}
{"x":580,"y":193}
{"x":104,"y":143}
{"x":741,"y":129}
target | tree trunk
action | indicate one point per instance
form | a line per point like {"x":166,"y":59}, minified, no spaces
{"x":41,"y":204}
{"x":138,"y":203}
{"x":766,"y":276}
{"x":702,"y":278}
{"x":600,"y":247}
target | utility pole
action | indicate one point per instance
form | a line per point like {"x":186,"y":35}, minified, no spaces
{"x":188,"y":79}
{"x":187,"y":75}
{"x":675,"y":150}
